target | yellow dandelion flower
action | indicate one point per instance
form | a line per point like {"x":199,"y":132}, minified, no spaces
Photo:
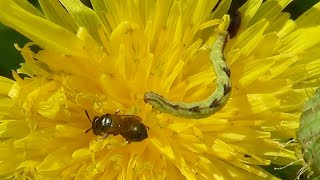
{"x":106,"y":58}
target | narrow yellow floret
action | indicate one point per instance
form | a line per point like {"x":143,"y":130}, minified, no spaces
{"x":106,"y":58}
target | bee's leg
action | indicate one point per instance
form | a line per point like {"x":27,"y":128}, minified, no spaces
{"x":128,"y":140}
{"x":104,"y":137}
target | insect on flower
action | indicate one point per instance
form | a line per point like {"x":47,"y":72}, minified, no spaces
{"x":211,"y":104}
{"x":128,"y":126}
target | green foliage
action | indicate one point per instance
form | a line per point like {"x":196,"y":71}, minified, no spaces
{"x":309,"y":134}
{"x":298,"y":7}
{"x":10,"y":58}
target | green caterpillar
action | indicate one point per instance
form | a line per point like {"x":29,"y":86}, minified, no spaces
{"x":208,"y":106}
{"x":309,"y":134}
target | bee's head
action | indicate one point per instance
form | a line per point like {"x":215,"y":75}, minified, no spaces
{"x":100,"y":124}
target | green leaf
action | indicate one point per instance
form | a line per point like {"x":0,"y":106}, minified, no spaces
{"x":309,"y":134}
{"x":298,"y":7}
{"x":10,"y":57}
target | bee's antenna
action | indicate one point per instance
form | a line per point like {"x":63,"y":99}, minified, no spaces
{"x":88,"y":130}
{"x":88,"y":117}
{"x":89,"y":120}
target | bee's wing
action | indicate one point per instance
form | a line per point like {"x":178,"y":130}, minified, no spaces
{"x":131,"y":118}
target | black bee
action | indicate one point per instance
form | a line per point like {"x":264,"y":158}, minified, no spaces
{"x":128,"y":126}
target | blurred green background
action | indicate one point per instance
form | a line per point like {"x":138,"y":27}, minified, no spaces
{"x":10,"y":58}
